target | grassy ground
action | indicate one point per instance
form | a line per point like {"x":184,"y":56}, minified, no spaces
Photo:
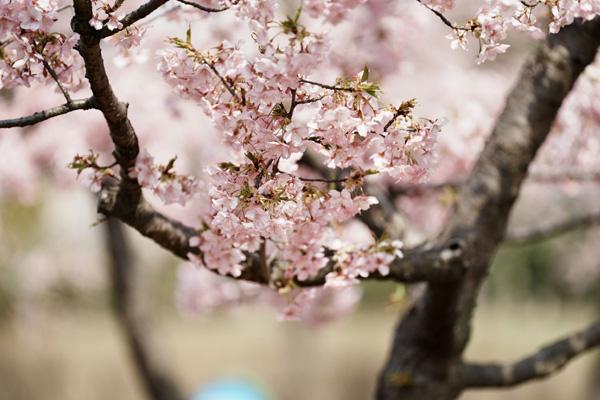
{"x":79,"y":354}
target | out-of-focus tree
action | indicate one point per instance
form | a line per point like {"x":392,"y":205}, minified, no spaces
{"x":312,"y":178}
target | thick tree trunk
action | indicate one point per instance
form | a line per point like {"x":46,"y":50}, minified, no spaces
{"x":426,"y":357}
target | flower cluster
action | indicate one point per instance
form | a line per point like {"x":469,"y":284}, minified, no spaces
{"x":270,"y":112}
{"x":316,"y":306}
{"x":199,"y":292}
{"x":89,"y":173}
{"x":564,"y":12}
{"x":333,"y":11}
{"x":29,"y":47}
{"x":360,"y":261}
{"x":127,"y":43}
{"x":294,"y":217}
{"x":107,"y":13}
{"x":494,"y":18}
{"x":386,"y":40}
{"x":170,"y":187}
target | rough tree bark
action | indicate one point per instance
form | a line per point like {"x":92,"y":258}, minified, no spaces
{"x":426,"y":357}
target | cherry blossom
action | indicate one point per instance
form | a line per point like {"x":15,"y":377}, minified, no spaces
{"x":29,"y":47}
{"x":107,"y":14}
{"x":490,"y":26}
{"x":316,"y":306}
{"x":170,"y":187}
{"x":333,"y":11}
{"x":89,"y":173}
{"x":281,"y":93}
{"x":268,"y":111}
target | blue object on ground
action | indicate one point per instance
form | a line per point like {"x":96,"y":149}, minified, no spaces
{"x":229,"y":389}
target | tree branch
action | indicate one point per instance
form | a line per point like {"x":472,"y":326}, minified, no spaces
{"x":115,"y":112}
{"x":426,"y":263}
{"x":125,"y":202}
{"x":132,"y":317}
{"x":431,"y":337}
{"x":83,"y":104}
{"x":568,"y":175}
{"x":532,"y":235}
{"x":419,"y":189}
{"x":541,"y":364}
{"x":203,"y":8}
{"x":140,"y":13}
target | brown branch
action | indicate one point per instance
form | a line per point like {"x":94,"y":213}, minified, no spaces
{"x":294,"y":103}
{"x":531,"y":235}
{"x":83,"y":104}
{"x":132,"y":317}
{"x":125,"y":202}
{"x":330,"y":87}
{"x":426,"y":263}
{"x":419,"y":189}
{"x":322,"y":180}
{"x":486,"y":199}
{"x":541,"y":364}
{"x":54,"y":76}
{"x":431,"y":337}
{"x":442,"y":17}
{"x":115,"y":112}
{"x":204,"y":8}
{"x":140,"y":13}
{"x":561,"y":176}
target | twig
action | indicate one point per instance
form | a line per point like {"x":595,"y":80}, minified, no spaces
{"x":203,"y":8}
{"x":339,"y":180}
{"x":296,"y":102}
{"x":141,"y":12}
{"x":441,"y":16}
{"x":229,"y":88}
{"x":54,"y":76}
{"x":84,"y":104}
{"x":330,"y":87}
